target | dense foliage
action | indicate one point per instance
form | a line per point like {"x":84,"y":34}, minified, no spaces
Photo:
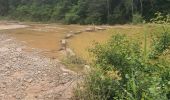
{"x":83,"y":11}
{"x":123,"y":72}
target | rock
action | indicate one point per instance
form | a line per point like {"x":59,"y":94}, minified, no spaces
{"x":70,"y":52}
{"x":30,"y":80}
{"x":100,"y":28}
{"x":68,"y":36}
{"x":87,"y":68}
{"x":71,"y":32}
{"x":3,"y":49}
{"x":63,"y":44}
{"x":7,"y":40}
{"x":63,"y":41}
{"x":90,"y":30}
{"x":78,"y":32}
{"x":24,"y":74}
{"x":19,"y":49}
{"x":14,"y":59}
{"x":7,"y":65}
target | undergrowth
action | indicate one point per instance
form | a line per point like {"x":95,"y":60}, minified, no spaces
{"x":136,"y":78}
{"x":124,"y":71}
{"x":74,"y":63}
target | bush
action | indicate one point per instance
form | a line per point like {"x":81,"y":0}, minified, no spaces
{"x":74,"y":63}
{"x":160,"y":44}
{"x":71,"y":18}
{"x":137,"y":18}
{"x":121,"y":72}
{"x":162,"y":41}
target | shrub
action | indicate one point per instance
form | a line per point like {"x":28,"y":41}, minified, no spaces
{"x":162,"y":41}
{"x":71,"y":18}
{"x":74,"y":63}
{"x":121,"y":72}
{"x":137,"y":18}
{"x":160,"y":44}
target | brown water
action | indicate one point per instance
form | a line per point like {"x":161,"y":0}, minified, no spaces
{"x":42,"y":36}
{"x":46,"y":37}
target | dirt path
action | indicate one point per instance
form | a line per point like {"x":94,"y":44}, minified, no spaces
{"x":30,"y":76}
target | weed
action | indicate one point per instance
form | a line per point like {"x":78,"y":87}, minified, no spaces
{"x":135,"y":78}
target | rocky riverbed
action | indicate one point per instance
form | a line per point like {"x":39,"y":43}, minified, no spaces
{"x":31,"y":76}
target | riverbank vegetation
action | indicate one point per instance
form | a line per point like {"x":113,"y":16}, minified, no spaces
{"x":83,"y":11}
{"x":126,"y":69}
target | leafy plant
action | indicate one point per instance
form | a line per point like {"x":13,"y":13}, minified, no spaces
{"x":161,"y":42}
{"x":137,"y":18}
{"x":122,"y":73}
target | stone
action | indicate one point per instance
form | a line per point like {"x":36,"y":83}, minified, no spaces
{"x":100,"y":28}
{"x":63,"y":44}
{"x":70,"y":52}
{"x":22,"y":74}
{"x":90,"y":29}
{"x":86,"y":68}
{"x":30,"y":80}
{"x":4,"y":49}
{"x":78,"y":32}
{"x":68,"y":36}
{"x":19,"y":49}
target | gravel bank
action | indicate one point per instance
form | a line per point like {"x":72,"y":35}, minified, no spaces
{"x":30,"y":76}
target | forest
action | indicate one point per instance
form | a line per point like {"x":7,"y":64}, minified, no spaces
{"x":83,"y":11}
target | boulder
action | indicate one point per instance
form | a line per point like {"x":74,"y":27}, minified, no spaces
{"x":86,"y":68}
{"x":99,"y":28}
{"x":63,"y":44}
{"x":78,"y":32}
{"x":70,"y":52}
{"x":90,"y":30}
{"x":68,"y":36}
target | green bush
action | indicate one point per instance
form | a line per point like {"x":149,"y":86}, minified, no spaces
{"x":122,"y":72}
{"x":160,"y":44}
{"x":137,"y":18}
{"x":71,"y":18}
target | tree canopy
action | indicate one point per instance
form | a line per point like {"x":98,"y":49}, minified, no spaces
{"x":83,"y":11}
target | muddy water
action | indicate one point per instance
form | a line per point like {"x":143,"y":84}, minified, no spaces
{"x":42,"y":36}
{"x":86,"y":41}
{"x":46,"y":37}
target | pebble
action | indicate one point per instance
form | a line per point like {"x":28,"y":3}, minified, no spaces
{"x":3,"y":49}
{"x":30,"y":80}
{"x":19,"y":49}
{"x":21,"y":70}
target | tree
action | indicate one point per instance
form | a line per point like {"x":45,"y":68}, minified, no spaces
{"x":4,"y":7}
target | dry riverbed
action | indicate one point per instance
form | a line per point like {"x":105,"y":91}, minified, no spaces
{"x":30,"y":76}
